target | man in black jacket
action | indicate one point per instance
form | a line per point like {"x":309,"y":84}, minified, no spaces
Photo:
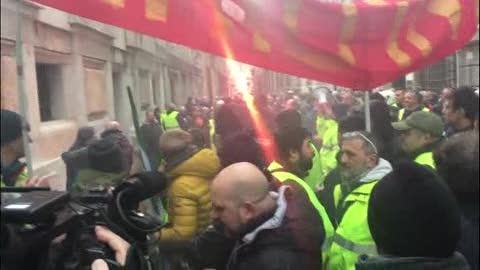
{"x":458,"y":163}
{"x":252,"y":228}
{"x":151,"y":132}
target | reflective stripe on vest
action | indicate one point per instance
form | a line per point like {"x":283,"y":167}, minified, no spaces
{"x":361,"y":193}
{"x":283,"y":176}
{"x":212,"y":134}
{"x":426,"y":159}
{"x":327,"y":130}
{"x":315,"y":178}
{"x":354,"y":247}
{"x":170,"y":120}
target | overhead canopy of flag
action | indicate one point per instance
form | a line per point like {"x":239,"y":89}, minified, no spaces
{"x":358,"y":44}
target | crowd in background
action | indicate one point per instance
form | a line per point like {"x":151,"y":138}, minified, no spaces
{"x":405,"y":193}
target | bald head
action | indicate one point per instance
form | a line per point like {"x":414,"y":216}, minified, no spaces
{"x":240,"y":182}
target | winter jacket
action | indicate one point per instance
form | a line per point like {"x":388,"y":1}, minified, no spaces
{"x":188,"y":195}
{"x":282,"y":238}
{"x":468,"y":244}
{"x":456,"y":262}
{"x":273,"y":244}
{"x":75,"y":160}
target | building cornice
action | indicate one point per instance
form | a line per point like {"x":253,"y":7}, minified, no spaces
{"x":28,"y":9}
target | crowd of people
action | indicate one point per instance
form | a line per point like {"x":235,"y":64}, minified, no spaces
{"x":294,"y":181}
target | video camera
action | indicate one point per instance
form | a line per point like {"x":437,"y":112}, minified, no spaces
{"x":43,"y":229}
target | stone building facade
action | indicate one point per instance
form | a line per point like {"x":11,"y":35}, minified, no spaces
{"x":76,"y":72}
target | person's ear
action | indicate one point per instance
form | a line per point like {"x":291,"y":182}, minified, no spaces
{"x":372,"y":160}
{"x":247,"y":211}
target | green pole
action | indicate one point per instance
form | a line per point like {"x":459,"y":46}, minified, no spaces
{"x":21,"y":87}
{"x":138,"y":134}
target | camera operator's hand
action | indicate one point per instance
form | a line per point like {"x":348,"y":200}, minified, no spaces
{"x":99,"y":264}
{"x":115,"y":242}
{"x":40,"y":181}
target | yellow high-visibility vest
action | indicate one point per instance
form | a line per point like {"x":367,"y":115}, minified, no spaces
{"x":169,"y":120}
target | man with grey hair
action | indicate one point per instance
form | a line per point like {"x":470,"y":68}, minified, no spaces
{"x":361,"y":169}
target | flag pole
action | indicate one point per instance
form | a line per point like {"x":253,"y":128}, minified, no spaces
{"x":21,"y":88}
{"x":368,"y":124}
{"x":138,"y":134}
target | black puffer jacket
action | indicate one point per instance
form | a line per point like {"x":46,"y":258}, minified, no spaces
{"x":277,"y":242}
{"x":272,"y":250}
{"x":279,"y":239}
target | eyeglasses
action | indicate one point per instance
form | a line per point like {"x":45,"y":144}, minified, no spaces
{"x":359,"y":134}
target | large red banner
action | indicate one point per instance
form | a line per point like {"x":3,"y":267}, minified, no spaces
{"x":358,"y":44}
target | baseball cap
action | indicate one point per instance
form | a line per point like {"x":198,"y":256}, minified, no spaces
{"x":424,"y":121}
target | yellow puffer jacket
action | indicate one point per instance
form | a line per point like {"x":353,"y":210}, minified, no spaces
{"x":189,"y":196}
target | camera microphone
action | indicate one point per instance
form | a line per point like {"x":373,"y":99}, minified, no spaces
{"x":140,"y":187}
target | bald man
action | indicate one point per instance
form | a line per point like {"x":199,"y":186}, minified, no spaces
{"x":254,"y":227}
{"x":262,"y":222}
{"x":240,"y":193}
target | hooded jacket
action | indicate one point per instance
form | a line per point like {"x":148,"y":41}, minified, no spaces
{"x":352,"y":236}
{"x":273,"y":243}
{"x":188,"y":195}
{"x":455,"y":262}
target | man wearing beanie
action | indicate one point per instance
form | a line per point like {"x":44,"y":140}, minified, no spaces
{"x":13,"y":171}
{"x":106,"y":168}
{"x":414,"y":221}
{"x":188,"y":195}
{"x":420,"y":134}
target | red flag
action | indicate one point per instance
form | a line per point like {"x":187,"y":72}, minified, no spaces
{"x":361,"y":44}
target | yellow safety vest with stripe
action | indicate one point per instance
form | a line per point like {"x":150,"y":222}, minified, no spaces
{"x":278,"y":172}
{"x":401,"y":112}
{"x":211,"y":133}
{"x":327,"y":130}
{"x":352,"y":237}
{"x":426,"y":159}
{"x":314,"y":179}
{"x":21,"y":180}
{"x":169,"y":120}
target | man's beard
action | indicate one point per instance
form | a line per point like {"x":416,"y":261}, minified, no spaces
{"x":303,"y":165}
{"x":352,"y":174}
